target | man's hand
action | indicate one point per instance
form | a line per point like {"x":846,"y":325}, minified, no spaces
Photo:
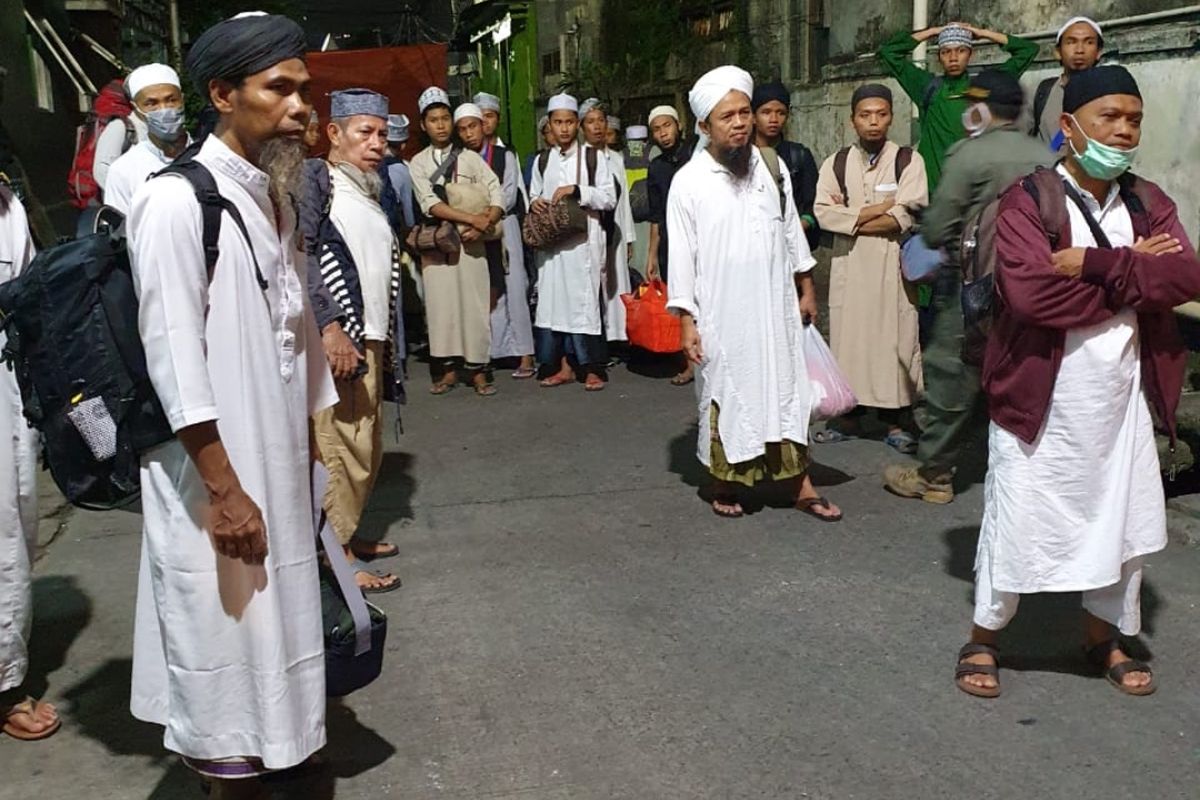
{"x":1069,"y":262}
{"x":340,"y":350}
{"x":237,"y":526}
{"x":1158,"y":245}
{"x":690,"y":340}
{"x":538,"y":205}
{"x":469,"y":234}
{"x":561,"y":192}
{"x":651,"y":266}
{"x":809,"y":312}
{"x":928,"y":33}
{"x":481,"y":222}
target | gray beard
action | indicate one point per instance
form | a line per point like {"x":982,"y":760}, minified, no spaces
{"x":735,"y":159}
{"x":282,"y":159}
{"x":369,"y":183}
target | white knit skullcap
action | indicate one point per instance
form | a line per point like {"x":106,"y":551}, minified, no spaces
{"x":151,"y":75}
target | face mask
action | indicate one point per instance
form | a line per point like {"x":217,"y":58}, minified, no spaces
{"x":1101,"y":161}
{"x":976,"y":119}
{"x":165,"y":124}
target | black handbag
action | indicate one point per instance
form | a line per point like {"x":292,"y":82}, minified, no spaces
{"x":354,"y":630}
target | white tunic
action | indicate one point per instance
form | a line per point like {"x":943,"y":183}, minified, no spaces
{"x":130,"y":171}
{"x":1064,"y":513}
{"x":512,"y":329}
{"x":18,"y":471}
{"x":365,"y":228}
{"x":569,"y":275}
{"x":229,"y":657}
{"x":616,"y":281}
{"x":733,"y":260}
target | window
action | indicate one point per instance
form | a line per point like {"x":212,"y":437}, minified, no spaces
{"x":713,"y":22}
{"x":552,"y":63}
{"x":43,"y":85}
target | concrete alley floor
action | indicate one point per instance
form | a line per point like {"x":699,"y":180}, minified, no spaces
{"x":576,"y":623}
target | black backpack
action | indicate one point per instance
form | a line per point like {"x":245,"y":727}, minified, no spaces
{"x":71,"y":318}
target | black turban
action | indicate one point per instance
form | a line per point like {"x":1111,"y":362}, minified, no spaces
{"x":1084,"y":87}
{"x":768,"y":92}
{"x":868,"y":91}
{"x":241,"y":46}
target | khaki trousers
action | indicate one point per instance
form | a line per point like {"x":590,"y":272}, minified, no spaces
{"x":350,"y":438}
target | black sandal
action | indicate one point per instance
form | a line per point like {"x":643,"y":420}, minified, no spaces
{"x":1115,"y":675}
{"x":805,"y":506}
{"x":963,"y":669}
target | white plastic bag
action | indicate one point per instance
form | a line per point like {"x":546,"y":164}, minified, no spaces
{"x":832,"y":395}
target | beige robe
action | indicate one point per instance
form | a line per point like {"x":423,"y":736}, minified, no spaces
{"x":872,"y":309}
{"x":458,"y":304}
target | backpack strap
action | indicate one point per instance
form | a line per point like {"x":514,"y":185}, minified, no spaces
{"x":903,"y":159}
{"x":931,"y":90}
{"x":839,"y":172}
{"x":770,"y":157}
{"x":1049,"y":194}
{"x":543,"y":160}
{"x":1040,"y":98}
{"x":589,"y":155}
{"x":212,"y":205}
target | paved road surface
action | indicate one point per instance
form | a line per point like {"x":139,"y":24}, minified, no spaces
{"x":575,"y":623}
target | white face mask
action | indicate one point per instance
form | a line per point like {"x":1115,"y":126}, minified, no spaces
{"x":977,"y":119}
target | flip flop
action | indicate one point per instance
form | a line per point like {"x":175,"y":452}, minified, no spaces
{"x":832,"y":436}
{"x":805,"y":506}
{"x":902,"y":441}
{"x":390,"y":552}
{"x":485,"y":390}
{"x":677,"y":381}
{"x":28,"y":707}
{"x":523,"y":373}
{"x":555,"y":380}
{"x":439,"y":389}
{"x":594,"y":386}
{"x":358,"y":565}
{"x":728,"y":501}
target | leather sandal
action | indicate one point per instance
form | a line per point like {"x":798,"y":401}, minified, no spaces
{"x":964,"y":668}
{"x":1115,"y":674}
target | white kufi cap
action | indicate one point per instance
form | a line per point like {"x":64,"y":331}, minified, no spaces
{"x":431,"y":96}
{"x":1091,"y":23}
{"x":467,"y":110}
{"x":562,"y":102}
{"x":151,"y":75}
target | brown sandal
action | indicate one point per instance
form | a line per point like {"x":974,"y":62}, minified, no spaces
{"x":1115,"y":674}
{"x":805,"y":506}
{"x":964,"y":668}
{"x":29,"y":708}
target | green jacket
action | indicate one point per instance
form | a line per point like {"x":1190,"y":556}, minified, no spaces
{"x":941,"y":121}
{"x":975,"y":173}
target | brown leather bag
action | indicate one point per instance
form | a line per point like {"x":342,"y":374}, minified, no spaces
{"x":560,"y":221}
{"x":434,"y":237}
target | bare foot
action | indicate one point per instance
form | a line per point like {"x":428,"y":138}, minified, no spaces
{"x":30,"y":719}
{"x":593,"y":383}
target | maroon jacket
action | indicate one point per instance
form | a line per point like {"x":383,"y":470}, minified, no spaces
{"x":1035,"y":307}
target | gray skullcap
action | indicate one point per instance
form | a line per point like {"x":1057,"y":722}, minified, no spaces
{"x":1097,"y":82}
{"x":346,"y":103}
{"x":397,"y":129}
{"x":868,"y":91}
{"x":543,"y":121}
{"x":589,"y":105}
{"x":955,"y":36}
{"x":241,"y":46}
{"x":487,"y":102}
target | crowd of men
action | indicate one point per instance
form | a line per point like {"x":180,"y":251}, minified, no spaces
{"x":311,"y":313}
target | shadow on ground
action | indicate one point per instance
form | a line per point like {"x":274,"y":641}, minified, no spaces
{"x":392,"y":498}
{"x":99,"y":708}
{"x":61,"y":611}
{"x":1046,"y":635}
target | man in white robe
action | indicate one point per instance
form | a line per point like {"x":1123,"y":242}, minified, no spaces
{"x":740,"y":283}
{"x":228,"y":648}
{"x":569,"y":319}
{"x":1083,"y":345}
{"x":512,"y":324}
{"x":20,"y":716}
{"x":619,"y":233}
{"x":158,"y":102}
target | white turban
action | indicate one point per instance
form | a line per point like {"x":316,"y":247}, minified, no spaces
{"x":662,"y":111}
{"x":562,"y":102}
{"x":151,"y":75}
{"x":712,"y":88}
{"x":590,"y":105}
{"x":468,"y":110}
{"x":1091,"y":23}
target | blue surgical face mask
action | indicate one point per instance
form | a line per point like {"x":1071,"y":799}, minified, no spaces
{"x":165,"y":124}
{"x":1101,"y":161}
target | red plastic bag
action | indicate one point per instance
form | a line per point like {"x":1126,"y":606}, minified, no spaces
{"x":832,"y":395}
{"x":648,"y":323}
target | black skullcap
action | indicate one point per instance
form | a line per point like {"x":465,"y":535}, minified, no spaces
{"x":868,"y":91}
{"x":241,"y":46}
{"x":1084,"y":87}
{"x":994,"y":86}
{"x":770,"y":91}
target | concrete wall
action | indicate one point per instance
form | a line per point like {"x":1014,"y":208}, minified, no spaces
{"x":1162,"y":55}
